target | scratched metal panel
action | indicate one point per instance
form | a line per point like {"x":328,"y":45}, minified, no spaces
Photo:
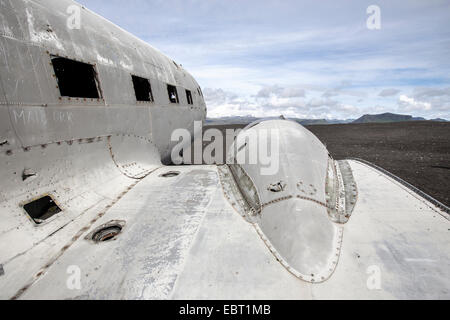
{"x":41,"y":27}
{"x":26,"y":74}
{"x":177,"y":117}
{"x":126,"y":119}
{"x":2,"y":91}
{"x":18,"y":79}
{"x":73,"y":43}
{"x":117,"y":86}
{"x":38,"y":125}
{"x":9,"y":20}
{"x":161,"y":94}
{"x":8,"y":138}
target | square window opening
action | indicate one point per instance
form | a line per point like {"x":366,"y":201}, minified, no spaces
{"x":189,"y":97}
{"x":76,"y":79}
{"x":173,"y":94}
{"x":142,"y":89}
{"x":41,"y":209}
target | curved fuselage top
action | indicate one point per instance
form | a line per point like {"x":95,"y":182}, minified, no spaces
{"x":35,"y":110}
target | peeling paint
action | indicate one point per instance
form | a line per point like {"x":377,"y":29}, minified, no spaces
{"x":105,"y":61}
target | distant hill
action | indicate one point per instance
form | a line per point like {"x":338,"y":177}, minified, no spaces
{"x":367,"y":118}
{"x":386,"y":117}
{"x":439,"y":120}
{"x":307,"y":122}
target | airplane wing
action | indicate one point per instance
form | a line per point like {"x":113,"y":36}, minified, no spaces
{"x":189,"y":235}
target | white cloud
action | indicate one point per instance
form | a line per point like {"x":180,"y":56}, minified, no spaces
{"x":289,"y":92}
{"x":410,"y":104}
{"x":293,"y":92}
{"x":301,"y":58}
{"x":274,"y":101}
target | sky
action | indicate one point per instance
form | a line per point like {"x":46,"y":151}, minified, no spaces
{"x":301,"y":59}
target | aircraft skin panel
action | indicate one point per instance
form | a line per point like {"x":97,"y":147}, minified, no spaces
{"x":33,"y":248}
{"x":81,"y":191}
{"x":182,"y":240}
{"x":294,"y":220}
{"x":242,"y":267}
{"x":397,"y":231}
{"x":402,"y":234}
{"x":161,"y":217}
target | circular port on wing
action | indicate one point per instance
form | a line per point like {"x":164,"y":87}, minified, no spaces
{"x":106,"y":233}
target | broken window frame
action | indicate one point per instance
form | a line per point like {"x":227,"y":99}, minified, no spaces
{"x":189,"y":97}
{"x":150,"y":91}
{"x":172,"y":89}
{"x":66,"y":88}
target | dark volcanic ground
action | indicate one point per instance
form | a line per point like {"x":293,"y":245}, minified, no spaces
{"x":416,"y":151}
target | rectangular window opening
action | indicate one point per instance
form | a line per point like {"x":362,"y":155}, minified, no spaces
{"x":142,"y":89}
{"x":76,"y":79}
{"x":189,"y":97}
{"x":173,"y":94}
{"x":41,"y":209}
